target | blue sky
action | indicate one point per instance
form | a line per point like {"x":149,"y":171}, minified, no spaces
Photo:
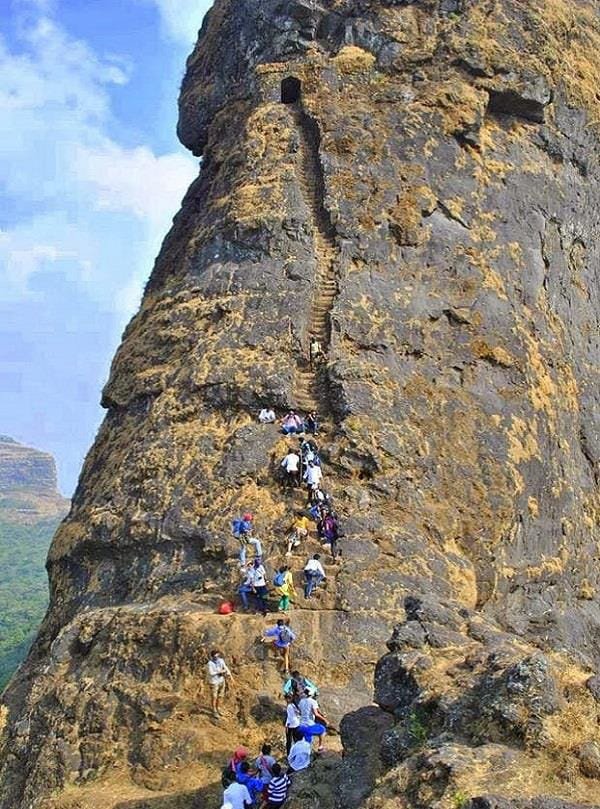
{"x":91,"y":174}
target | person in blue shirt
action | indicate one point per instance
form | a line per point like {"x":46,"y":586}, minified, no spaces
{"x":282,"y":637}
{"x":254,"y":785}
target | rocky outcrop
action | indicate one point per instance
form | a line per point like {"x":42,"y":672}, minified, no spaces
{"x":25,"y":468}
{"x":417,"y":183}
{"x":28,"y":483}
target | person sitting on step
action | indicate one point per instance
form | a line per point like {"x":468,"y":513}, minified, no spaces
{"x":311,"y":423}
{"x":267,"y":416}
{"x":291,"y":423}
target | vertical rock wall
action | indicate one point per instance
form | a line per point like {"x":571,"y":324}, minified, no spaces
{"x":431,"y":204}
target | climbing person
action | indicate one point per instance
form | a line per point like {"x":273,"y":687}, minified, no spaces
{"x":309,"y":452}
{"x":236,"y":795}
{"x":299,"y":755}
{"x":292,"y":720}
{"x":267,"y":416}
{"x":313,"y":476}
{"x":239,"y":754}
{"x":254,"y":785}
{"x":243,"y":529}
{"x":264,"y":764}
{"x":217,"y":673}
{"x":317,"y":501}
{"x":314,"y":574}
{"x":298,"y":684}
{"x":315,"y":352}
{"x":312,"y":721}
{"x":284,"y":582}
{"x":291,"y":423}
{"x":330,"y":532}
{"x":278,"y":789}
{"x":247,"y":585}
{"x":259,"y":585}
{"x":311,"y":423}
{"x":291,"y":465}
{"x":282,"y":637}
{"x":298,"y":533}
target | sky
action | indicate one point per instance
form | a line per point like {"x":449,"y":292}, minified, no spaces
{"x":91,"y":175}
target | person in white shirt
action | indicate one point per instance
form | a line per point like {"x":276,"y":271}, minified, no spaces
{"x":292,"y":720}
{"x":313,"y":476}
{"x":312,"y":721}
{"x":237,"y":795}
{"x":217,"y":671}
{"x":259,"y":584}
{"x":291,"y":464}
{"x":314,"y":574}
{"x":299,"y":755}
{"x":267,"y":416}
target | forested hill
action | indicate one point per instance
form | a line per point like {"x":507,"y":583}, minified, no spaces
{"x":30,"y":511}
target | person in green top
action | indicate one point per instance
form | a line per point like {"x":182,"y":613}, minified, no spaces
{"x":297,"y":684}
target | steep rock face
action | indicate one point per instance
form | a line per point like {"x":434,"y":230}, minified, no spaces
{"x":426,"y":202}
{"x":25,"y":468}
{"x":28,"y":483}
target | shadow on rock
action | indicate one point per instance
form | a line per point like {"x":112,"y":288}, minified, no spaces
{"x":267,"y":710}
{"x":195,"y":799}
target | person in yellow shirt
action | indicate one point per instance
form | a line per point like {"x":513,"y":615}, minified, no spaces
{"x":298,"y":533}
{"x":285,"y":589}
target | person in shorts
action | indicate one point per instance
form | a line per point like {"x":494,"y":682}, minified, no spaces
{"x":217,"y":673}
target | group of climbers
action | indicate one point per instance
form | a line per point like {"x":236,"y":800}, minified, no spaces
{"x":262,"y":783}
{"x":265,"y":783}
{"x":301,"y":464}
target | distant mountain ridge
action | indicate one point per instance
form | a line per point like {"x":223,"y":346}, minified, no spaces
{"x":28,"y":483}
{"x":31,"y":509}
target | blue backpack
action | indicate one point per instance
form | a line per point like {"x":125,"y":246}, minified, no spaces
{"x":279,"y":579}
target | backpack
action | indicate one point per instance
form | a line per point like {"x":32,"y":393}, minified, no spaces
{"x":285,"y":635}
{"x":330,"y":527}
{"x":279,"y":579}
{"x":237,"y":527}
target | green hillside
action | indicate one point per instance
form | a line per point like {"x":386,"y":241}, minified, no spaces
{"x":23,"y":588}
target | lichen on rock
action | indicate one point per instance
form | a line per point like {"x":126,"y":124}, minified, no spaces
{"x":424,"y":193}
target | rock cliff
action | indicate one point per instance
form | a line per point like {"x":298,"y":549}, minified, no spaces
{"x":415,"y":183}
{"x":30,"y":510}
{"x":28,"y":483}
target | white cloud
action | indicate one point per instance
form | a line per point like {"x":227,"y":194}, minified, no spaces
{"x":134,"y":180}
{"x":63,"y":172}
{"x":182,"y":18}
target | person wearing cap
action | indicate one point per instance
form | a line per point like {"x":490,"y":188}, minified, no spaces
{"x":243,"y":530}
{"x":239,"y":754}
